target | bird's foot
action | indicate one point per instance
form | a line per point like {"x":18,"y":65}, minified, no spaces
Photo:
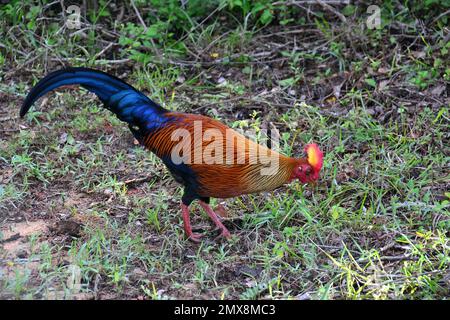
{"x":224,"y":234}
{"x":214,"y":217}
{"x":195,"y":237}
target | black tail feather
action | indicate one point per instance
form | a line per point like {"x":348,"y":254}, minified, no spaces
{"x":126,"y":102}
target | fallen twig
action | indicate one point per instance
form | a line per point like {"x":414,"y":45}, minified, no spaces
{"x":14,"y":237}
{"x":137,"y":180}
{"x":8,"y":118}
{"x":333,"y":10}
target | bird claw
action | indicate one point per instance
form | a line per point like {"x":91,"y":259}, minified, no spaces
{"x":225,"y":234}
{"x":195,"y":237}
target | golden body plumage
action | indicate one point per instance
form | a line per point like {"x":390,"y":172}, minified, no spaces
{"x":230,"y":164}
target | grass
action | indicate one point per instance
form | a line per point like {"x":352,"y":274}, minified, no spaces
{"x":376,"y":226}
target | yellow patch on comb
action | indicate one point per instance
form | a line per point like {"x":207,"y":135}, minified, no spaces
{"x":315,"y":156}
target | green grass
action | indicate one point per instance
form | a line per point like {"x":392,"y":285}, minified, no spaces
{"x":376,"y":226}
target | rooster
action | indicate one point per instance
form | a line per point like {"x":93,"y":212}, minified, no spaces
{"x":204,"y":155}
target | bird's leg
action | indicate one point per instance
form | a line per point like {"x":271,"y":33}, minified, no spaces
{"x":225,"y":233}
{"x":187,"y":224}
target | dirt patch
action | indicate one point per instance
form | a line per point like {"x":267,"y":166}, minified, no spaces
{"x":14,"y":235}
{"x":16,"y":249}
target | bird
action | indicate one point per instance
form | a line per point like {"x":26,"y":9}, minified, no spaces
{"x":208,"y":158}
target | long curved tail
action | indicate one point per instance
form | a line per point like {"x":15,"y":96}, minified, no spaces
{"x":126,"y":102}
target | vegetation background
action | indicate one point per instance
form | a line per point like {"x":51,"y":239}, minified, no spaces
{"x":85,"y":213}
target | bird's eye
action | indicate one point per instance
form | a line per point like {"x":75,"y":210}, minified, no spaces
{"x":308,"y":171}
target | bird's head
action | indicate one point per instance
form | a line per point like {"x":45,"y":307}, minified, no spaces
{"x":307,"y":170}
